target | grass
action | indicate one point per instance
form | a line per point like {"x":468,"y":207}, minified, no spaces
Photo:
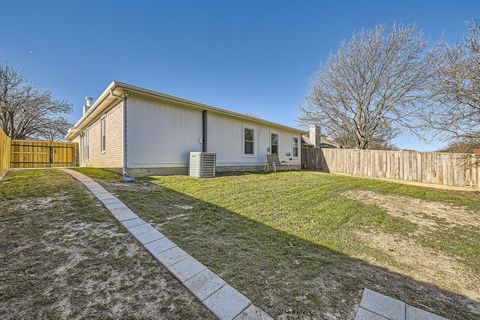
{"x":292,"y":241}
{"x":63,"y":255}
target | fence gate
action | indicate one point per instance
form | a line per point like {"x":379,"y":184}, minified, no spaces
{"x":43,"y":154}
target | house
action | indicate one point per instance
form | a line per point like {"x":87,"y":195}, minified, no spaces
{"x":315,"y":139}
{"x":140,"y":132}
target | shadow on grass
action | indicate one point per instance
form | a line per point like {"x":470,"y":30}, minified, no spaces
{"x":283,"y":274}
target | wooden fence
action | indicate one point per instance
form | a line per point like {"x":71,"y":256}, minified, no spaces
{"x":452,"y":169}
{"x":4,"y":153}
{"x":41,"y":154}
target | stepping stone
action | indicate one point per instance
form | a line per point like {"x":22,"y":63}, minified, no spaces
{"x":171,"y":256}
{"x":186,"y":269}
{"x":132,"y":223}
{"x":141,"y":229}
{"x":115,"y":206}
{"x":104,"y":196}
{"x":204,"y":284}
{"x":149,"y":236}
{"x":363,"y":314}
{"x":253,"y":313}
{"x":419,"y":314}
{"x":110,"y":201}
{"x":159,"y":245}
{"x":227,"y":303}
{"x":383,"y":305}
{"x":125,"y":216}
{"x":120,"y":210}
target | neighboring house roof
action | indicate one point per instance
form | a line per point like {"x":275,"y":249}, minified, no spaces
{"x":116,"y":89}
{"x":324,"y":142}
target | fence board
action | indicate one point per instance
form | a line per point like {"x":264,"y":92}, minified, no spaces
{"x":450,"y":169}
{"x":4,"y":152}
{"x":41,"y":154}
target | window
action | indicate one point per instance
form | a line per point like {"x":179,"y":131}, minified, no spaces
{"x":274,"y":143}
{"x":248,"y":141}
{"x":295,"y":146}
{"x":85,"y":147}
{"x":103,"y":134}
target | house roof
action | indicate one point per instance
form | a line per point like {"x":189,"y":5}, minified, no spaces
{"x":118,"y":89}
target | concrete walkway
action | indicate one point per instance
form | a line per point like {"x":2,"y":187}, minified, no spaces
{"x":376,"y":306}
{"x":218,"y":296}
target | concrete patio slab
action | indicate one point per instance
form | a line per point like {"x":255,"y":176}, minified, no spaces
{"x":383,"y":305}
{"x":204,"y":284}
{"x":227,"y":303}
{"x":159,"y":245}
{"x":186,"y":268}
{"x":419,"y":314}
{"x":253,"y":313}
{"x":363,"y":314}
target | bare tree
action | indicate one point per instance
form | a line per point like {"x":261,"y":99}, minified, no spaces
{"x":373,"y":86}
{"x":25,"y":110}
{"x":456,"y":90}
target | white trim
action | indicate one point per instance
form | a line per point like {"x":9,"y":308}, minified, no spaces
{"x":103,"y":144}
{"x":270,"y":142}
{"x":114,"y":85}
{"x":248,"y":155}
{"x":298,"y":146}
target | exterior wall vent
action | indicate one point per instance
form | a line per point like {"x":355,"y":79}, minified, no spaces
{"x":202,"y":164}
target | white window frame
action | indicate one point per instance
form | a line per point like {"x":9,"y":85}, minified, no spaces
{"x":85,"y":145}
{"x":103,"y":134}
{"x":297,"y":146}
{"x":278,"y":142}
{"x":248,"y":155}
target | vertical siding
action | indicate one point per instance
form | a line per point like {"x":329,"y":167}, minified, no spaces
{"x":112,"y":157}
{"x":225,"y":138}
{"x":162,"y":134}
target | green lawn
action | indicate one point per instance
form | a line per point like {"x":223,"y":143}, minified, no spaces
{"x":303,"y":244}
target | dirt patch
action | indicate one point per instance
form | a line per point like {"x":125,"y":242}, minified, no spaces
{"x":423,"y":264}
{"x":64,"y":257}
{"x":427,"y":214}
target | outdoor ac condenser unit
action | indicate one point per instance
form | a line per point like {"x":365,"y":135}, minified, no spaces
{"x":202,"y":164}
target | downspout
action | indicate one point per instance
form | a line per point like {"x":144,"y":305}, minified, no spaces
{"x":123,"y":98}
{"x":204,"y":130}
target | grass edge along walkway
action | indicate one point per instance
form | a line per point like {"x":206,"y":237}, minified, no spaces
{"x":213,"y":292}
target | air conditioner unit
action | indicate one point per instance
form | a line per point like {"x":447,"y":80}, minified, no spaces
{"x":202,"y":164}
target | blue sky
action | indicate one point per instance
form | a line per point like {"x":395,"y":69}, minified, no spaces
{"x":248,"y":56}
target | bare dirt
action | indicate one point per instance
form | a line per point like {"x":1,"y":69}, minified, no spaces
{"x":428,"y":214}
{"x":65,"y":257}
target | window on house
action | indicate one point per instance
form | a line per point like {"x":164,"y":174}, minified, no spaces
{"x":248,"y":141}
{"x":274,"y":143}
{"x":85,"y":147}
{"x":103,"y":134}
{"x":295,"y":146}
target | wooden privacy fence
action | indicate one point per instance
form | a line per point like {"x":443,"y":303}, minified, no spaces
{"x":4,"y":152}
{"x":41,"y":154}
{"x":452,"y":169}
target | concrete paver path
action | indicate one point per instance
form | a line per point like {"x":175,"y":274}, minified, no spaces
{"x":376,"y":306}
{"x":218,"y":296}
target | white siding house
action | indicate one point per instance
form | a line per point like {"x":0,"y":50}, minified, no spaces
{"x":143,"y":132}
